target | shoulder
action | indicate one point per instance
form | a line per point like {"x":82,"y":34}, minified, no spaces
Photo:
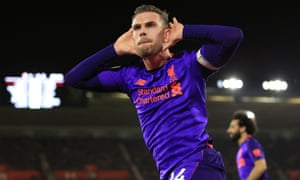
{"x":184,"y":54}
{"x":132,"y":68}
{"x":254,"y":143}
{"x":189,"y":57}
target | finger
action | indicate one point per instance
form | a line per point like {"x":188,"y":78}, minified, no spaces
{"x":175,"y":20}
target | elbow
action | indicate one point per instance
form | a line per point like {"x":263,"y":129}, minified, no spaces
{"x":70,"y":81}
{"x":234,"y":38}
{"x":239,"y":36}
{"x":67,"y":79}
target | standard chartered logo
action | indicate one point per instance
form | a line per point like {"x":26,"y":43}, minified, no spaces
{"x":34,"y":91}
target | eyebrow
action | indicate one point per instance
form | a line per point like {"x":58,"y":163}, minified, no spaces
{"x":147,"y":22}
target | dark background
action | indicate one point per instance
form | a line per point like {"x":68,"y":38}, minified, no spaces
{"x":55,"y":37}
{"x":52,"y":38}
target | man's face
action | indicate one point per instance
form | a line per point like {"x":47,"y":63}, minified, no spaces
{"x":148,"y":33}
{"x":234,"y":130}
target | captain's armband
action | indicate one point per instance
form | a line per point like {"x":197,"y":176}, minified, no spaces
{"x":204,"y":62}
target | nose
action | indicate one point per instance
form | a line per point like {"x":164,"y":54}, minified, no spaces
{"x":143,"y":31}
{"x":227,"y":130}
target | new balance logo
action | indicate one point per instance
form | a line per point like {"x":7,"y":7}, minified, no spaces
{"x":140,"y":82}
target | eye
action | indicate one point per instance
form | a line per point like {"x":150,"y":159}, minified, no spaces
{"x":150,"y":24}
{"x":136,"y":27}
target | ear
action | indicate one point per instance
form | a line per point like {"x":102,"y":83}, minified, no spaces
{"x":167,"y":32}
{"x":243,"y":129}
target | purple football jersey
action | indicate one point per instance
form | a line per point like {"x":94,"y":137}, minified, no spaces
{"x":172,"y":112}
{"x":249,"y":151}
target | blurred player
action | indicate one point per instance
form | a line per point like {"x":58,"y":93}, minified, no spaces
{"x":250,"y":158}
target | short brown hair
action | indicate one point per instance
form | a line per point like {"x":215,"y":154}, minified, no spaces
{"x":151,"y":8}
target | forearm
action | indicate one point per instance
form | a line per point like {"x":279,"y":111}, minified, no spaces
{"x":89,"y":67}
{"x":220,"y":43}
{"x":259,"y":168}
{"x":255,"y":174}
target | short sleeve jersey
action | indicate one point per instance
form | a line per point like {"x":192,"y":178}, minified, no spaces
{"x":249,"y":151}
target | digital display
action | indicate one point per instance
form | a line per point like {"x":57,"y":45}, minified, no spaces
{"x":34,"y":91}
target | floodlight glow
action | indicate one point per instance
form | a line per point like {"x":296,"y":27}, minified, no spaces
{"x":275,"y":85}
{"x":250,"y":114}
{"x":231,"y":83}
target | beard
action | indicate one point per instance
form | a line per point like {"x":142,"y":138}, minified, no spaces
{"x":145,"y":52}
{"x":148,"y":50}
{"x":236,"y":136}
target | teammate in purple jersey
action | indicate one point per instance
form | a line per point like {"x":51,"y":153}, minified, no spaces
{"x":250,"y":158}
{"x":167,"y":89}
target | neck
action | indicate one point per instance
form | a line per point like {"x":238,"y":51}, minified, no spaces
{"x":243,"y":138}
{"x":156,"y":61}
